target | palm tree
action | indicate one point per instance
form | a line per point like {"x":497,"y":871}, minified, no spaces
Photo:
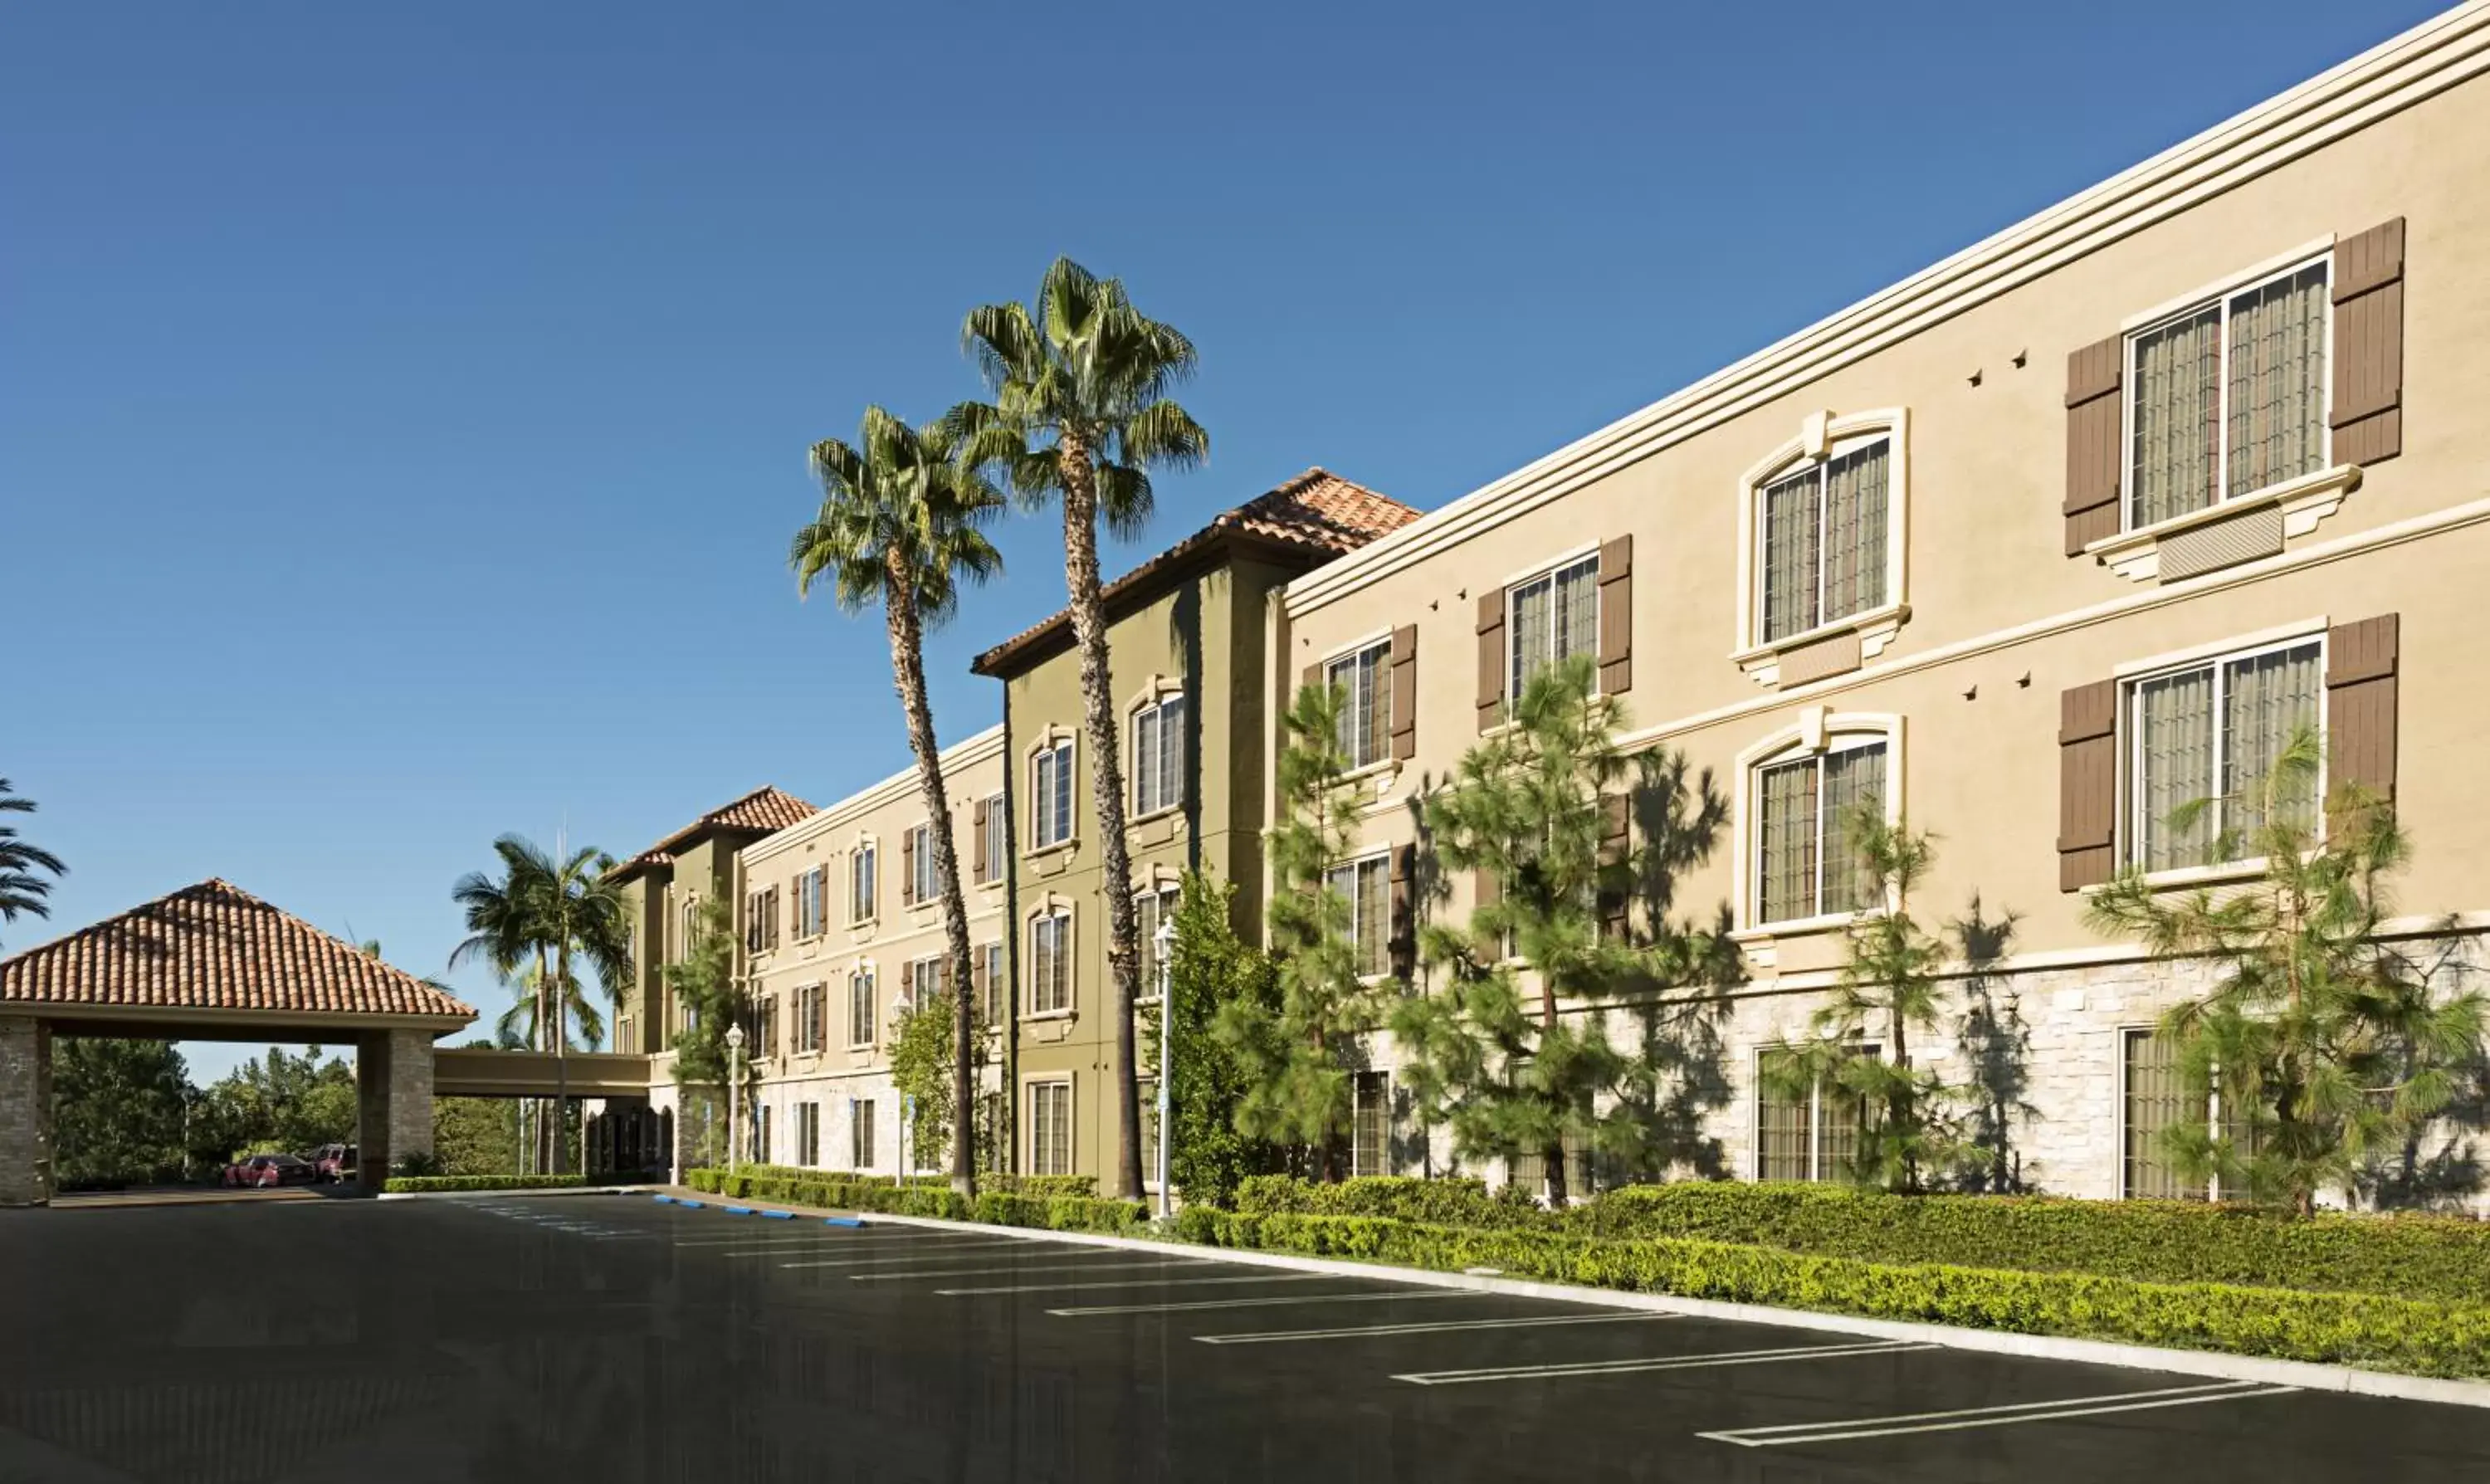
{"x":20,"y":888}
{"x":516,"y":1027}
{"x":899,"y":525}
{"x":1081,"y":413}
{"x":542,"y":911}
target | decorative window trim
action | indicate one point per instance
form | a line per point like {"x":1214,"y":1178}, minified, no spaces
{"x":1052,"y":905}
{"x":1819,"y":438}
{"x":1160,"y":690}
{"x":2136,"y":555}
{"x":1356,"y":648}
{"x":2130,"y":737}
{"x":1546,"y":568}
{"x":1815,"y":731}
{"x":1029,"y":1082}
{"x":1046,"y":741}
{"x":863,"y":969}
{"x":864,"y":842}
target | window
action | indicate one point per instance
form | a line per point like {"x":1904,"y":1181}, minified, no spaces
{"x":765,"y":1028}
{"x":760,"y":1134}
{"x":2227,"y":396}
{"x":1150,"y":909}
{"x":761,"y":921}
{"x":1050,"y":1128}
{"x":1806,"y":861}
{"x":809,"y":1018}
{"x":812,"y":905}
{"x":997,"y":978}
{"x":1364,"y":884}
{"x":862,"y":885}
{"x":2211,"y":732}
{"x":687,"y":930}
{"x":924,"y":980}
{"x":1825,"y":554}
{"x":998,"y":837}
{"x":1553,"y":617}
{"x":1050,"y":796}
{"x":808,"y":1134}
{"x":1370,"y":1142}
{"x":861,"y":1147}
{"x":861,"y":1008}
{"x":1363,"y":681}
{"x":2155,"y":1100}
{"x":1814,"y":1138}
{"x":1149,"y":1108}
{"x":626,"y":1034}
{"x":1050,"y":958}
{"x":1529,"y":1171}
{"x":1158,"y":756}
{"x":923,"y":885}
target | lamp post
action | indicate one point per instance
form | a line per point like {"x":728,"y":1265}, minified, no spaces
{"x":1166,"y":941}
{"x":734,"y":1091}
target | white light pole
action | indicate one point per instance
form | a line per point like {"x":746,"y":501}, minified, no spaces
{"x":734,"y":1091}
{"x":1166,"y":938}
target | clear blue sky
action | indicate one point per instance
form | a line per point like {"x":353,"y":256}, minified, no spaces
{"x":403,"y":410}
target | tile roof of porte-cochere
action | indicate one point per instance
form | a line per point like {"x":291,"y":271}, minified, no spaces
{"x":215,"y":947}
{"x":1317,"y":512}
{"x":766,"y":810}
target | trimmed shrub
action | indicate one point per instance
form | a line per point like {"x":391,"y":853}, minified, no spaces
{"x":2153,"y":1241}
{"x":2367,"y":1329}
{"x":414,"y":1184}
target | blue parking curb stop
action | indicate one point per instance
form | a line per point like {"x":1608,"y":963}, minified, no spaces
{"x":663,"y":1199}
{"x":738,"y":1211}
{"x":691,"y":1206}
{"x":780,"y":1216}
{"x":842,"y":1221}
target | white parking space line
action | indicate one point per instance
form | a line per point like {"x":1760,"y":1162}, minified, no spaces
{"x":1659,"y":1363}
{"x":1360,"y":1295}
{"x":1058,"y":1288}
{"x":869,"y":1254}
{"x":1995,"y":1416}
{"x":1440,"y":1326}
{"x":758,"y":1236}
{"x":903,"y":1256}
{"x":1092,"y":1265}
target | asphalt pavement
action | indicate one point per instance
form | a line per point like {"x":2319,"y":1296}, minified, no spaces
{"x":614,"y":1338}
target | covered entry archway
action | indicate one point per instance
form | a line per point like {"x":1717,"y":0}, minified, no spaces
{"x":211,"y":962}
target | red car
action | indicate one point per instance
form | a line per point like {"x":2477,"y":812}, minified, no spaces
{"x":265,"y":1170}
{"x":334,"y":1163}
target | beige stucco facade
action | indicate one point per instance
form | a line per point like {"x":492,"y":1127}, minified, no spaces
{"x":1988,"y":621}
{"x":831,"y":1073}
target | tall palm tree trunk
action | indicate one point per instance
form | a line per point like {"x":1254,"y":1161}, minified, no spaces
{"x":562,"y":1057}
{"x":1107,"y":775}
{"x":908,"y":674}
{"x":545,"y":1018}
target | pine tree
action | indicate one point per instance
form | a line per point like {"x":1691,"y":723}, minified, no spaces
{"x":2327,"y":1049}
{"x":1298,"y":1056}
{"x":1210,"y":970}
{"x":1492,"y":1050}
{"x":703,"y":985}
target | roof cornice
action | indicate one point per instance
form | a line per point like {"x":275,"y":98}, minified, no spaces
{"x":2430,"y":58}
{"x":983,"y":747}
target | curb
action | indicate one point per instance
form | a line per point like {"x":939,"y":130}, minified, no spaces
{"x":505,"y":1195}
{"x":2308,"y":1375}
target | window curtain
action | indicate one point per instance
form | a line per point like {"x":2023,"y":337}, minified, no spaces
{"x":2176,"y":757}
{"x":1373,"y":708}
{"x":2268,"y":697}
{"x":2278,"y":372}
{"x":1854,"y":532}
{"x":1578,"y":607}
{"x":1851,"y":779}
{"x":1531,"y":626}
{"x":1790,"y":529}
{"x":1780,"y":1138}
{"x":1785,"y":847}
{"x":1373,"y":916}
{"x":1146,"y":762}
{"x":1170,"y":753}
{"x":2177,"y":411}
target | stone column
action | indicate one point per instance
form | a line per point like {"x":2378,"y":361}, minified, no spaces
{"x":394,"y":1096}
{"x":25,"y":1111}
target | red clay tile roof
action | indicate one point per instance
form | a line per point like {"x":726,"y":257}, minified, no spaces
{"x":1317,"y":512}
{"x":216,"y":947}
{"x":766,"y":810}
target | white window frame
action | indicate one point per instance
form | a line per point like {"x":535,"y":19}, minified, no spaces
{"x":864,"y":883}
{"x":1162,"y":900}
{"x":862,"y":1134}
{"x":1819,"y":469}
{"x":1353,"y":713}
{"x":1353,"y":867}
{"x":1822,"y":438}
{"x":997,"y":838}
{"x":1062,"y":752}
{"x":1037,"y":1163}
{"x":1056,"y":913}
{"x":1817,"y":728}
{"x":2220,"y":296}
{"x":923,"y":976}
{"x":1153,"y":793}
{"x":1814,"y":1118}
{"x":923,"y":886}
{"x":998,"y":980}
{"x":871,"y":1003}
{"x":1358,"y":1081}
{"x":1515,"y":678}
{"x":812,"y":902}
{"x":2130,"y":760}
{"x":2126,"y":1033}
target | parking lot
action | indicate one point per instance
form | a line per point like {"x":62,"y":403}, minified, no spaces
{"x":596,"y":1337}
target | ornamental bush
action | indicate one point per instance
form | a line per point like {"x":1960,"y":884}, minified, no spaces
{"x":2422,"y":1336}
{"x":414,"y":1185}
{"x":2153,"y":1241}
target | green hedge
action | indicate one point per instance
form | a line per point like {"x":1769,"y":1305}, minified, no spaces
{"x":1054,"y":1202}
{"x":411,"y":1184}
{"x":2152,"y":1242}
{"x":2422,"y":1336}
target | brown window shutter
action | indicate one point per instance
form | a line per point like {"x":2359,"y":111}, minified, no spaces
{"x":943,"y":977}
{"x":977,"y":973}
{"x":978,"y":858}
{"x":1616,"y":616}
{"x":2368,"y":412}
{"x":2087,"y":785}
{"x":2095,"y":458}
{"x":1405,"y":915}
{"x":1309,"y":677}
{"x":1616,"y":846}
{"x":2362,"y":667}
{"x":1491,"y":658}
{"x":908,"y":868}
{"x":1404,"y":693}
{"x":1485,"y":886}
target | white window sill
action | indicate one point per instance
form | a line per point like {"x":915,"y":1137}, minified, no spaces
{"x":1059,"y":847}
{"x":1875,"y":627}
{"x":1064,"y":1014}
{"x":1165,"y":811}
{"x":1761,"y":945}
{"x":2183,"y":878}
{"x":2136,"y":555}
